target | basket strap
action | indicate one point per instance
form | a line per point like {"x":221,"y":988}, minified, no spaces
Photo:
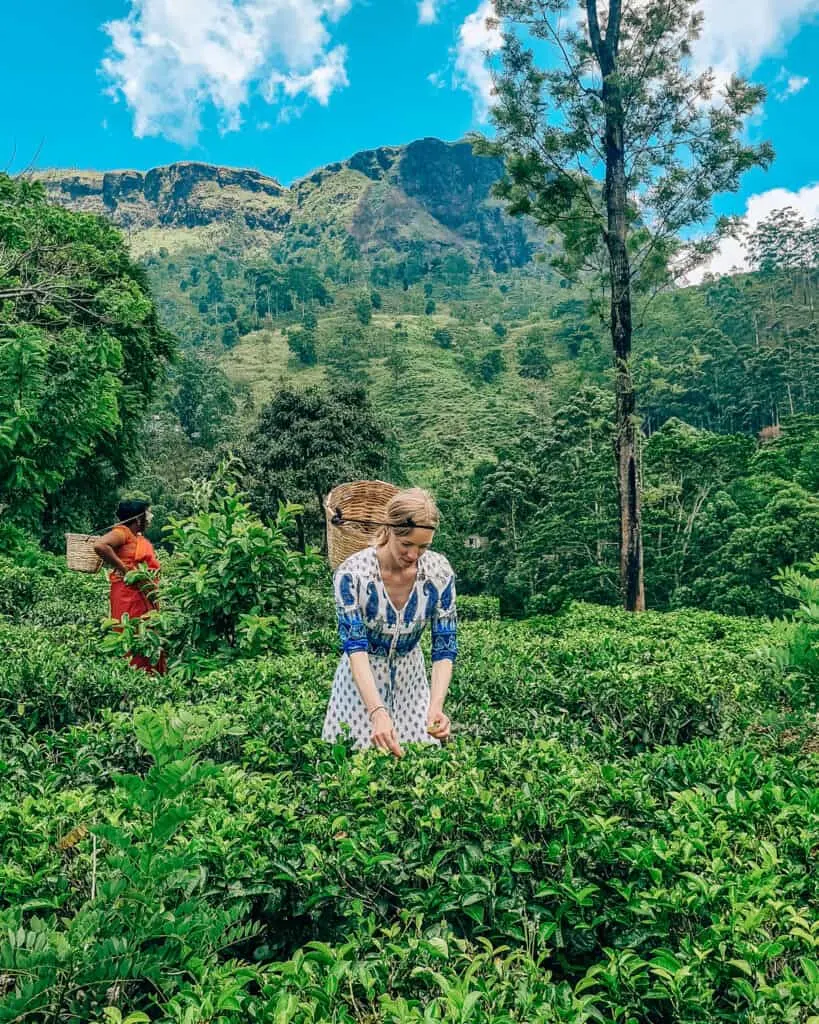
{"x":339,"y":519}
{"x":105,"y":529}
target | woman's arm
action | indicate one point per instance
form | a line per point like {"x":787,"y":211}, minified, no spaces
{"x":354,"y":642}
{"x":444,"y":652}
{"x":384,"y":735}
{"x":441,"y":677}
{"x":438,"y":724}
{"x":106,"y":548}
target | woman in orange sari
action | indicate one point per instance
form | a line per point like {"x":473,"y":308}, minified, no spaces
{"x":126,"y":548}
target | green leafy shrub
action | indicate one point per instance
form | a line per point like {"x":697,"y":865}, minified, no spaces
{"x":801,"y":584}
{"x":472,"y":607}
{"x":623,"y":828}
{"x":50,"y":678}
{"x":146,"y":905}
{"x":231,"y":589}
{"x":18,"y":588}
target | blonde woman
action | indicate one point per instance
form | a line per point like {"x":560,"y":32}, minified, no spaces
{"x":385,"y":595}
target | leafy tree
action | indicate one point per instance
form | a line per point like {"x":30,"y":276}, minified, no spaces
{"x":376,"y":300}
{"x":430,"y":307}
{"x":617,"y":148}
{"x":350,"y":249}
{"x":81,"y":357}
{"x":397,"y":362}
{"x":548,"y":509}
{"x":736,"y":355}
{"x":306,"y":285}
{"x":532,"y":359}
{"x":491,"y":365}
{"x":784,"y":241}
{"x":794,"y":453}
{"x":347,"y":356}
{"x":303,"y":344}
{"x":230,"y":336}
{"x":279,"y":289}
{"x":363,"y":309}
{"x":574,"y":330}
{"x":745,"y":534}
{"x":499,"y":329}
{"x":215,"y":292}
{"x":202,"y":398}
{"x":456,"y":270}
{"x":443,"y":337}
{"x":684,"y":467}
{"x":307,"y":442}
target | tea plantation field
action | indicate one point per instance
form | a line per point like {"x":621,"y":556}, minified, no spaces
{"x":624,"y":829}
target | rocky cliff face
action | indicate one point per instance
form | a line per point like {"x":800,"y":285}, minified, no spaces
{"x":453,"y":188}
{"x":432,"y":192}
{"x":179,"y":195}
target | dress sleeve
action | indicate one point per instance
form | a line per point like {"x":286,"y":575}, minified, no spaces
{"x":444,"y":624}
{"x":122,"y":532}
{"x":351,"y":627}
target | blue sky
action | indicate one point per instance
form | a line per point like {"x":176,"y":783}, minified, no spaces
{"x":285,"y":86}
{"x":62,"y":116}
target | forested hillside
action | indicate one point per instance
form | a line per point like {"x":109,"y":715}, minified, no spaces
{"x":395,"y":271}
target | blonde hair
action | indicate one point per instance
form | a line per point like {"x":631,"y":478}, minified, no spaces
{"x":414,"y":504}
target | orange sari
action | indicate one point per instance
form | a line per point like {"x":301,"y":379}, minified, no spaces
{"x":133,"y":552}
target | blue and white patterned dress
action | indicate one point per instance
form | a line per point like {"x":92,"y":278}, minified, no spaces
{"x":368,"y":621}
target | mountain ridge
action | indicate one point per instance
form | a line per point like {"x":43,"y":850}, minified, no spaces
{"x":435,"y":193}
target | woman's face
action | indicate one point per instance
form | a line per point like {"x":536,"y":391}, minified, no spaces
{"x":141,"y":524}
{"x":407,"y":550}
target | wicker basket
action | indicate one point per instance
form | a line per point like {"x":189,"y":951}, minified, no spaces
{"x":80,"y":554}
{"x":362,"y":499}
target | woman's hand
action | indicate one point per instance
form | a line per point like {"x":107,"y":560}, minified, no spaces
{"x":384,"y":735}
{"x":145,"y":581}
{"x":438,"y":724}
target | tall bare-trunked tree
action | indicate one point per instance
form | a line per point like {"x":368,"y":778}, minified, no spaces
{"x":619,"y":144}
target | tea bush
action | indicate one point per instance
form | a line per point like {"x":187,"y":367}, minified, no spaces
{"x":624,"y":828}
{"x":472,"y":607}
{"x":231,"y":589}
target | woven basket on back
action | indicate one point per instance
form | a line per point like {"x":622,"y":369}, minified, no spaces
{"x":361,"y":499}
{"x":80,"y":554}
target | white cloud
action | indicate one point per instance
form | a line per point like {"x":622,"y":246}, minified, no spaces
{"x":320,"y":83}
{"x":738,"y":34}
{"x":787,"y":85}
{"x":795,"y":84}
{"x":731,"y":255}
{"x":336,"y":8}
{"x":475,"y":40}
{"x":169,"y":59}
{"x":427,"y":12}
